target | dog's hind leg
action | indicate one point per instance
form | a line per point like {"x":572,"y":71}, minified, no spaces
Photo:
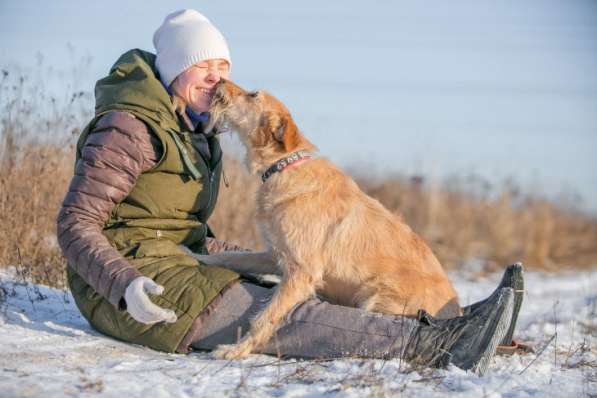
{"x":392,"y":304}
{"x":295,"y":289}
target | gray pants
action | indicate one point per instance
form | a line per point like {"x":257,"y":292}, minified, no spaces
{"x":313,"y":329}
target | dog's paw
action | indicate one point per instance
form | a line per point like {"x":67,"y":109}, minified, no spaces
{"x":233,"y":351}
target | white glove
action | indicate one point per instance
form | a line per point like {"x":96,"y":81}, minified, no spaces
{"x":140,"y":307}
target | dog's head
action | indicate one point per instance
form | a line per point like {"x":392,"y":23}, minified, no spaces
{"x":264,"y":124}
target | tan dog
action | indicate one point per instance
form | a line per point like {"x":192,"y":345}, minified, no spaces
{"x":327,"y":235}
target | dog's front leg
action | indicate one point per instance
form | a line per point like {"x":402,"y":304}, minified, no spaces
{"x":293,"y":290}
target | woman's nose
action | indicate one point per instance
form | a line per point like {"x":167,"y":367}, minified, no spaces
{"x":213,"y":76}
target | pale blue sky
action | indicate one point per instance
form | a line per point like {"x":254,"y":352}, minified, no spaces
{"x":499,"y":88}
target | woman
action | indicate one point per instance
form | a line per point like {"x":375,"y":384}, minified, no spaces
{"x":146,"y":181}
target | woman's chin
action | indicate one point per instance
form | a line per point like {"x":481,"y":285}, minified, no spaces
{"x":199,"y":108}
{"x":200,"y":103}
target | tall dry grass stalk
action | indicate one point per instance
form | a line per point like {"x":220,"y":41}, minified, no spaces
{"x":234,"y":216}
{"x":461,"y":219}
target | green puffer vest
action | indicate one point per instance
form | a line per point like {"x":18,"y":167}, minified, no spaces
{"x":168,"y":206}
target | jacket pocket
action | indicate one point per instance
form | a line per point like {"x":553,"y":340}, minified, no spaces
{"x":158,"y":248}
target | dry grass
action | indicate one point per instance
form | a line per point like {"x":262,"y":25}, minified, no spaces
{"x":37,"y":131}
{"x":31,"y":192}
{"x":462,"y":219}
{"x":465,"y":219}
{"x":234,"y":217}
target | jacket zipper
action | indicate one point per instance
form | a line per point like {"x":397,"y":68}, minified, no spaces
{"x":209,"y":171}
{"x":210,"y":178}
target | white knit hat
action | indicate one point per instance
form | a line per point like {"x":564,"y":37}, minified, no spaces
{"x":185,"y":38}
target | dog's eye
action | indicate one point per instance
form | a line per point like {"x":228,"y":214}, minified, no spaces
{"x":253,"y":94}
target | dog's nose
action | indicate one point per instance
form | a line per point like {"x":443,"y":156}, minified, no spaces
{"x":220,"y":86}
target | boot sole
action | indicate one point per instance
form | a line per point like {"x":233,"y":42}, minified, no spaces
{"x":518,"y":286}
{"x":500,"y":330}
{"x":513,"y":278}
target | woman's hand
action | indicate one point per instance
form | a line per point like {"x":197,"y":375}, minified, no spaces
{"x":140,"y":307}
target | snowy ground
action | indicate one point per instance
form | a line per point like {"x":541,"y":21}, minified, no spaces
{"x":47,"y":349}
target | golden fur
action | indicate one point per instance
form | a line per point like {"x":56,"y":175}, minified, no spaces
{"x":328,"y":236}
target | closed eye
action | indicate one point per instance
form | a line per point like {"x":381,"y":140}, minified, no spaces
{"x":253,"y":94}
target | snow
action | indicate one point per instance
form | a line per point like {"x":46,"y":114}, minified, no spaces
{"x":47,"y":349}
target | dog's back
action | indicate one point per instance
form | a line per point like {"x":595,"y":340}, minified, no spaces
{"x":366,"y":255}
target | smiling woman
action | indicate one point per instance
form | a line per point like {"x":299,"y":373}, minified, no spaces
{"x":146,"y":181}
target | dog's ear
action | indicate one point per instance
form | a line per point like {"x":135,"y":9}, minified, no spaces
{"x":279,"y":128}
{"x":286,"y":133}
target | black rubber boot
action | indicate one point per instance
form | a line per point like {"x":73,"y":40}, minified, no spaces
{"x":468,"y":341}
{"x":513,"y":277}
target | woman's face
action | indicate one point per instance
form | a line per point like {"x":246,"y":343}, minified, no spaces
{"x":196,"y":85}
